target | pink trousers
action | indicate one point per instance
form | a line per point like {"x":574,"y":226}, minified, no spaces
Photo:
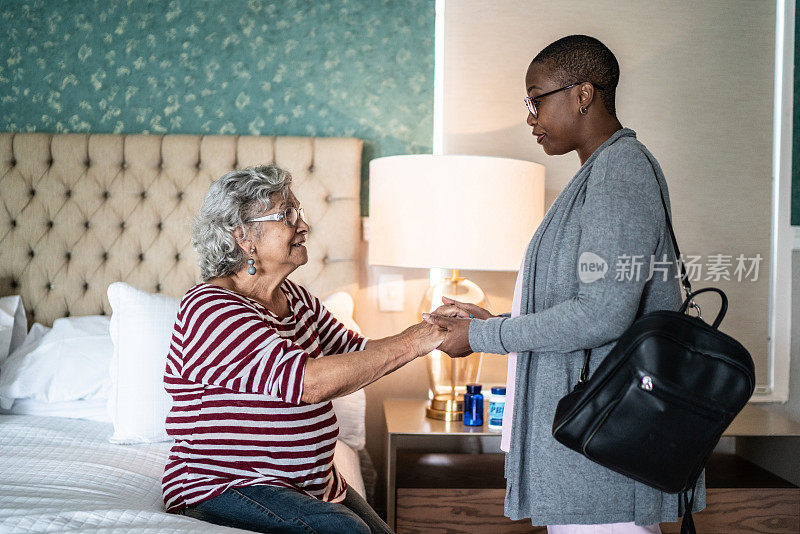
{"x":611,"y":528}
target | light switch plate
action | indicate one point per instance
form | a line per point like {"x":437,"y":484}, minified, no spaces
{"x":365,"y":228}
{"x":391,"y":292}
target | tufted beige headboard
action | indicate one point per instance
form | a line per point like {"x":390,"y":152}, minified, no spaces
{"x":78,"y":212}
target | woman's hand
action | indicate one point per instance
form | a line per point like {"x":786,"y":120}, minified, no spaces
{"x":454,"y":308}
{"x":423,"y":337}
{"x":456,"y":342}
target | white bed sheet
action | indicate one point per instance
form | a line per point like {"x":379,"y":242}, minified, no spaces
{"x":62,"y":475}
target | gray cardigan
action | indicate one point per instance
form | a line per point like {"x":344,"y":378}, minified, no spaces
{"x":610,"y":208}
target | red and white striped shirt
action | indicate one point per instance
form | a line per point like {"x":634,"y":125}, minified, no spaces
{"x":235,"y":372}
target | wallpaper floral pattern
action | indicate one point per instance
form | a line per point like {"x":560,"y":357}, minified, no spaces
{"x":361,"y":68}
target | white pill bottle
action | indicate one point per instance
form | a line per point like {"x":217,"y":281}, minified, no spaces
{"x":497,"y":403}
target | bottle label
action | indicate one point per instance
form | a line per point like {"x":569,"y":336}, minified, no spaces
{"x":496,"y":413}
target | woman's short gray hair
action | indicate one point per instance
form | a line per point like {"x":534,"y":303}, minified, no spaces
{"x":232,"y":200}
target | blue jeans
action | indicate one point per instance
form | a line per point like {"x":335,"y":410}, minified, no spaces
{"x":281,"y":510}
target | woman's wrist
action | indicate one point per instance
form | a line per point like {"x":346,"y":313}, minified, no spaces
{"x":412,"y":347}
{"x":484,"y":336}
{"x":399,"y":346}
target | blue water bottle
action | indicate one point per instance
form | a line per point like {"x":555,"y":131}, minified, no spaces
{"x":473,"y":405}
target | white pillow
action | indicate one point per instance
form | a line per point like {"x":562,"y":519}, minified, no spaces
{"x":341,"y":305}
{"x":350,"y":409}
{"x":68,"y":362}
{"x":347,"y":463}
{"x":13,"y":325}
{"x":141,"y":330}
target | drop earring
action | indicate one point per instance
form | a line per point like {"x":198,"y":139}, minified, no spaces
{"x":251,"y":270}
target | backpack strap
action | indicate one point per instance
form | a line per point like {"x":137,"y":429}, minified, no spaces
{"x":687,"y":524}
{"x":687,"y":286}
{"x":585,"y":370}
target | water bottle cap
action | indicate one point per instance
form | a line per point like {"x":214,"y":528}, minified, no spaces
{"x":473,"y":389}
{"x":498,"y":390}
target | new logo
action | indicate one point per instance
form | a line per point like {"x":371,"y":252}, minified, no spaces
{"x":591,"y":267}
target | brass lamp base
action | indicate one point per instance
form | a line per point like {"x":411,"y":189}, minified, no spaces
{"x":444,"y":408}
{"x":449,"y":376}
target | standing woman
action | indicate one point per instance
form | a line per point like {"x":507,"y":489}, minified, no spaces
{"x":610,"y":213}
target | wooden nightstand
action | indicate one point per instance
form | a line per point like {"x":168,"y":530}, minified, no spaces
{"x":443,"y":484}
{"x":447,"y":476}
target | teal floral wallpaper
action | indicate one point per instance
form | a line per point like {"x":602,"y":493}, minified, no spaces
{"x":361,"y":68}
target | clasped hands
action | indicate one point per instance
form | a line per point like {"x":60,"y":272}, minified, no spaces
{"x":454,"y":317}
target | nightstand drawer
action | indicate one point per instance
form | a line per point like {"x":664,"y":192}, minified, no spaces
{"x":441,"y":492}
{"x":747,"y":510}
{"x":428,"y":510}
{"x":449,"y":470}
{"x":730,"y":510}
{"x":465,"y":493}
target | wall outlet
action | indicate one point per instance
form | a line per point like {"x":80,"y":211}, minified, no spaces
{"x":391,"y":292}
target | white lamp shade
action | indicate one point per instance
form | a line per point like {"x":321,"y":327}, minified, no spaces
{"x":459,"y":212}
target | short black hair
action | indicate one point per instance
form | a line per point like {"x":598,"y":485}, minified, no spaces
{"x":580,"y":58}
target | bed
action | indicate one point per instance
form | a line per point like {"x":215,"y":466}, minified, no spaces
{"x":63,"y":475}
{"x":81,"y":212}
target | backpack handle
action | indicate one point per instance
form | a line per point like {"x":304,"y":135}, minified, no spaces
{"x":722,"y":310}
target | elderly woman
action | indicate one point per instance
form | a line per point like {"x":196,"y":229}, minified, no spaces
{"x":254,"y":362}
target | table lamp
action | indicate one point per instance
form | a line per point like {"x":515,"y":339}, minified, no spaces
{"x":456,"y":212}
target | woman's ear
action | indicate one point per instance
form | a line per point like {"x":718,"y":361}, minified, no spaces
{"x":238,"y":235}
{"x":585,"y":95}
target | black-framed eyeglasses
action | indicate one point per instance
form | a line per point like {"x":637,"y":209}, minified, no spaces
{"x":532,"y":102}
{"x":290,"y":216}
